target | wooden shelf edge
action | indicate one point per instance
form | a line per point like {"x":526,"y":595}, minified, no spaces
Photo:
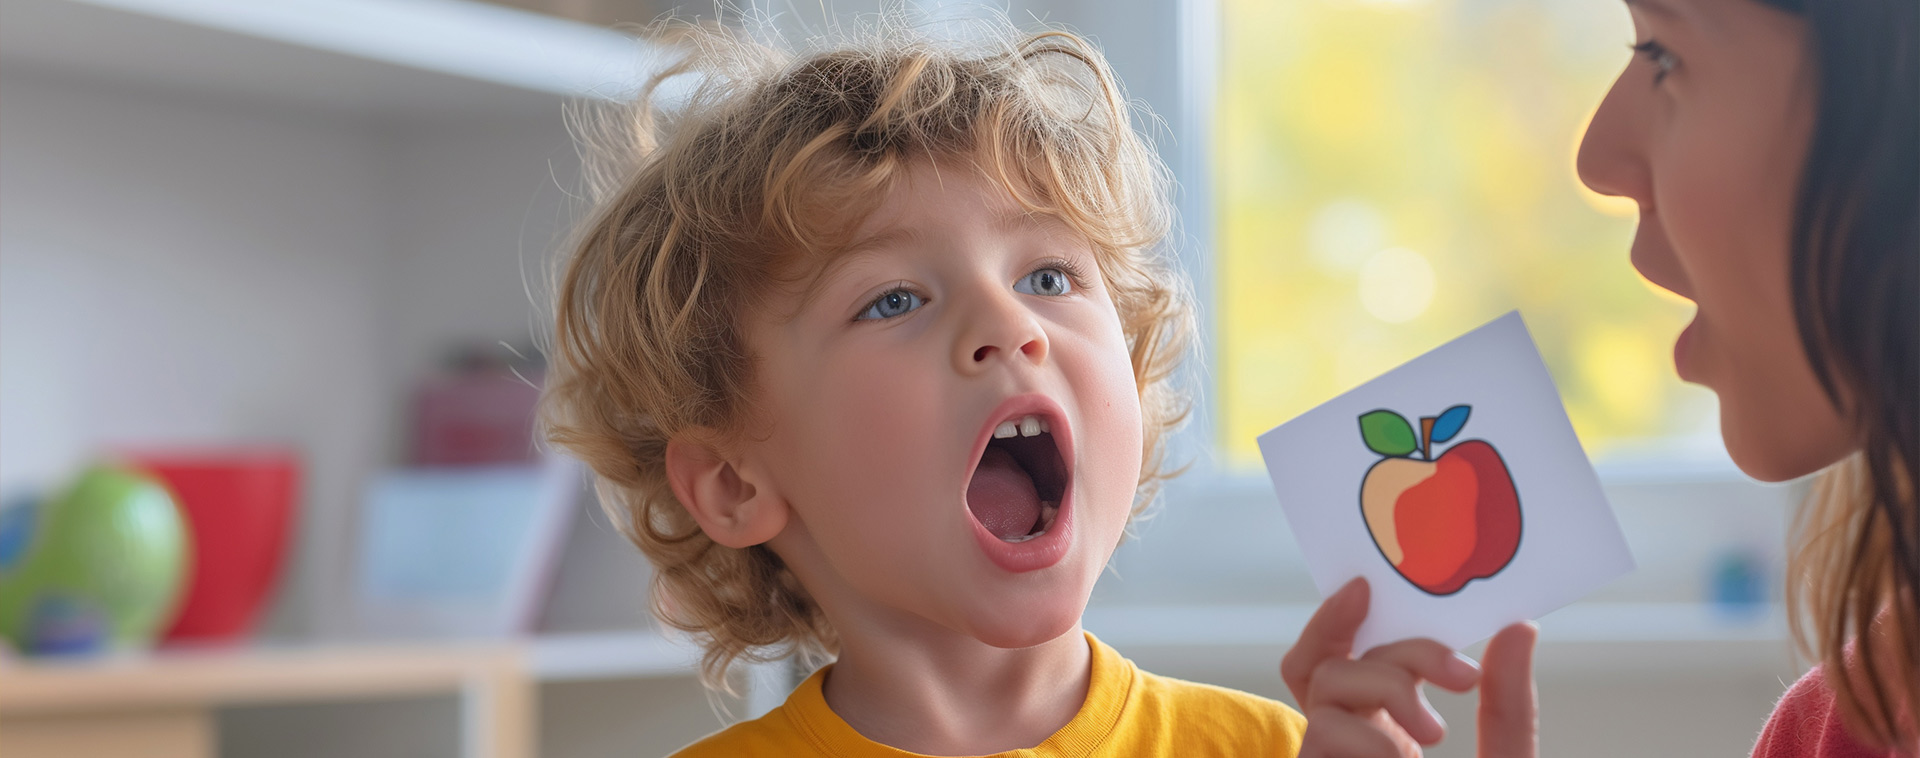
{"x":331,"y":671}
{"x":345,"y":671}
{"x":610,"y":655}
{"x":250,"y":675}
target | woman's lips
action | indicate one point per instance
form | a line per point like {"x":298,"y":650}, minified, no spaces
{"x":1683,"y":351}
{"x":1652,"y":255}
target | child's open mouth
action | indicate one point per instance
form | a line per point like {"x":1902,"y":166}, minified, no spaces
{"x":1017,"y":487}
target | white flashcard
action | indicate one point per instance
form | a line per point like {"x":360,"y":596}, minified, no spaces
{"x":1456,"y":486}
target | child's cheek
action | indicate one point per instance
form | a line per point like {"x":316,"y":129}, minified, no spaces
{"x":879,"y":430}
{"x":890,"y":413}
{"x":1111,"y":435}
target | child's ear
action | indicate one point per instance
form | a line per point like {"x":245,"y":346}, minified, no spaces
{"x":730,"y":507}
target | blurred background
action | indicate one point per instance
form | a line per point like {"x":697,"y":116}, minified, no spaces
{"x":270,"y":275}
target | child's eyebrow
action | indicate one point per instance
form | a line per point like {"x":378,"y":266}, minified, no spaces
{"x":859,"y":250}
{"x":891,"y":237}
{"x":1020,"y":219}
{"x":1008,"y":220}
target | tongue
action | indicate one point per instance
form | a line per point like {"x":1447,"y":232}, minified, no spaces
{"x":1002,"y":496}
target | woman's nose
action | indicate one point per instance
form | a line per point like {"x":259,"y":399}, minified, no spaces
{"x":998,"y":327}
{"x":1612,"y":158}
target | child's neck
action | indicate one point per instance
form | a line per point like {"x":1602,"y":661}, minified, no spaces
{"x":957,"y":696}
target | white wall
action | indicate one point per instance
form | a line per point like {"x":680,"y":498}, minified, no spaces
{"x":186,"y":272}
{"x":477,"y":207}
{"x":182,"y":269}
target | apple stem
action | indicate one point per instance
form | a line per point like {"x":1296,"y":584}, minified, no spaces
{"x":1426,"y":437}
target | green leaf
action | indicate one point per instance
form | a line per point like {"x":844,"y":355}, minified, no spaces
{"x":1388,"y":434}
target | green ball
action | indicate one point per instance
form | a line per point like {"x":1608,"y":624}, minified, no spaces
{"x":101,"y":566}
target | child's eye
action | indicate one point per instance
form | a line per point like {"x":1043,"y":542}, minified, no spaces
{"x":1046,"y":281}
{"x":892,"y":303}
{"x":1663,"y":60}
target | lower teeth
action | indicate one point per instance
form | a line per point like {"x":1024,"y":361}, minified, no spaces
{"x":1047,"y":512}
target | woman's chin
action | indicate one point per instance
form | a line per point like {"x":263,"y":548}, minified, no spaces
{"x":1760,"y":449}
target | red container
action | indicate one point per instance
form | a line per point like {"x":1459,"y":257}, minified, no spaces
{"x":474,"y":417}
{"x":238,"y":505}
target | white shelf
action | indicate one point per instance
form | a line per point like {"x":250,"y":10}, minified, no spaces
{"x":1595,"y":636}
{"x":406,"y":57}
{"x":1582,"y":622}
{"x":610,"y":655}
{"x":1582,"y":638}
{"x":1693,"y":634}
{"x":1578,"y":636}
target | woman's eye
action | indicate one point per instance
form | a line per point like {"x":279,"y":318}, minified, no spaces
{"x":1046,"y":281}
{"x":892,"y":303}
{"x":1663,"y":60}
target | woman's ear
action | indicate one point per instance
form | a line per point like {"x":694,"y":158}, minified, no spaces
{"x":732,"y":508}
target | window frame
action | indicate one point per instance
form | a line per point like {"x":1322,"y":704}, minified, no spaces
{"x":1198,"y":42}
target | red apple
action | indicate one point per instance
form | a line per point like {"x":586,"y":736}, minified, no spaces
{"x":1441,"y":522}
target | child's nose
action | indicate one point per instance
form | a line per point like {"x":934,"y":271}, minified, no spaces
{"x":999,"y":329}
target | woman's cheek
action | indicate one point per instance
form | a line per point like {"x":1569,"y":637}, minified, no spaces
{"x":1690,"y":209}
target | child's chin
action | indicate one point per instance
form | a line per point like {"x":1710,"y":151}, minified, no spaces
{"x":1021,"y":628}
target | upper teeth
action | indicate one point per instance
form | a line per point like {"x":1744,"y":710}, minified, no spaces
{"x":1026,"y":426}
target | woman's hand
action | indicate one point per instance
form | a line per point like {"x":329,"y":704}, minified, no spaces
{"x":1373,"y":706}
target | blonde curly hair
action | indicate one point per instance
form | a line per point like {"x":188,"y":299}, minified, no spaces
{"x":754,"y":179}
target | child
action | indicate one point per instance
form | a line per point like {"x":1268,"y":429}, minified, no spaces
{"x":870,"y":354}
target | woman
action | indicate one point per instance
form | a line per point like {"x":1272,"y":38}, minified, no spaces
{"x":1771,"y":146}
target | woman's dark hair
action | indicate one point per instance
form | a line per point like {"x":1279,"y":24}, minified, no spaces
{"x":1855,"y":270}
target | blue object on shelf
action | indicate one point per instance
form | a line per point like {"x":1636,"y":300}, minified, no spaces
{"x":17,"y":519}
{"x":63,"y":624}
{"x":1739,"y":585}
{"x":461,"y":551}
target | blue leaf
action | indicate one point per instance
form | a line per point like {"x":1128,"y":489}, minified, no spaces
{"x":1450,"y":422}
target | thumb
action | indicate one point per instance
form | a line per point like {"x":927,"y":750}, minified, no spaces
{"x":1327,"y":636}
{"x":1509,"y":707}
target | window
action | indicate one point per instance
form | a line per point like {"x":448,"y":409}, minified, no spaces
{"x":1391,"y":173}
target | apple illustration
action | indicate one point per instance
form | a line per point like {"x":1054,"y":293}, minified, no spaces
{"x":1441,"y":521}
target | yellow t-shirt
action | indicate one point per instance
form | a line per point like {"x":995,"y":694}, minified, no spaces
{"x":1128,"y":712}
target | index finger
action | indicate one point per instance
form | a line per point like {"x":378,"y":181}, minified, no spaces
{"x":1509,"y":707}
{"x":1329,"y":634}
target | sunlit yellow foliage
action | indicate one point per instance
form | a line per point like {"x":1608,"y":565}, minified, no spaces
{"x":1357,"y":138}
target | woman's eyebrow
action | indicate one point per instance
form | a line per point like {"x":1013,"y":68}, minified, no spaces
{"x":1687,"y":18}
{"x":1659,"y":8}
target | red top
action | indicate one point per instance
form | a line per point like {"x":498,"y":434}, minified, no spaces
{"x":1807,"y":725}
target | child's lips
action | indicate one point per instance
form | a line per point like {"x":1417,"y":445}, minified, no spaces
{"x":1018,"y":497}
{"x":1050,"y":417}
{"x":1038,"y":552}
